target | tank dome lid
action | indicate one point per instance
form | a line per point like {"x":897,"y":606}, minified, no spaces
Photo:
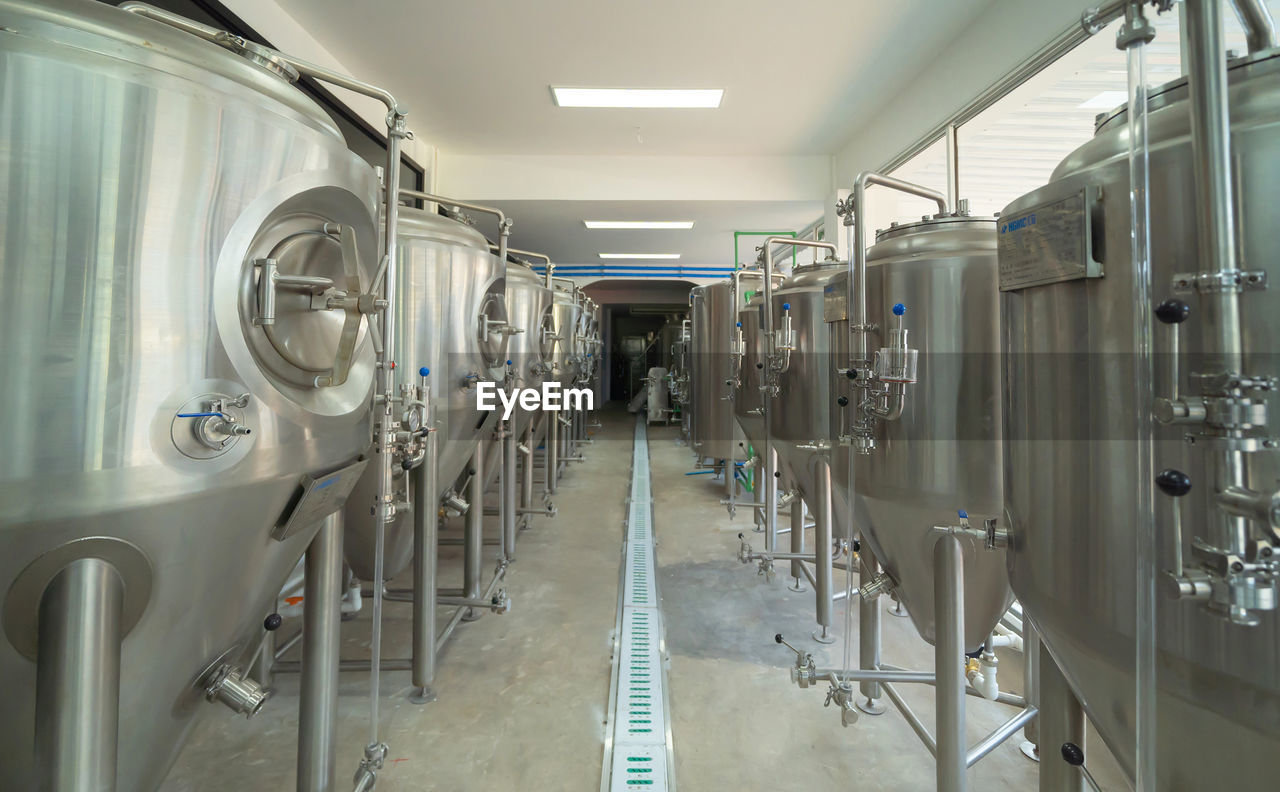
{"x":125,"y":36}
{"x":420,"y":224}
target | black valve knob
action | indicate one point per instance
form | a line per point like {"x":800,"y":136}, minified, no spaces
{"x":777,"y":638}
{"x":777,"y":474}
{"x":759,"y":365}
{"x":1073,"y":754}
{"x":406,"y":464}
{"x":843,"y":401}
{"x":1173,"y":311}
{"x":1173,"y":483}
{"x":739,"y":536}
{"x":272,"y":622}
{"x":856,"y":544}
{"x":852,"y":374}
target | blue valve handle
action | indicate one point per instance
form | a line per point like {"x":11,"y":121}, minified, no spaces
{"x":964,"y":515}
{"x":424,"y":371}
{"x":899,"y":309}
{"x":204,"y":415}
{"x":786,"y":306}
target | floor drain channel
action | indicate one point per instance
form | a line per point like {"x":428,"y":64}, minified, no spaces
{"x":638,"y":738}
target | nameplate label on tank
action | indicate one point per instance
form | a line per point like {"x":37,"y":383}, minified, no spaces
{"x":1049,"y":243}
{"x":316,"y":499}
{"x":835,"y":303}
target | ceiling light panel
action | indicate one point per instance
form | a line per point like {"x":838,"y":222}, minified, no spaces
{"x":678,"y":98}
{"x":639,"y":255}
{"x":637,"y":225}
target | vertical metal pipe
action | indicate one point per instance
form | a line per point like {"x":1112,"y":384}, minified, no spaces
{"x":526,"y":479}
{"x":321,"y":642}
{"x":78,"y":678}
{"x":1031,"y":678}
{"x":868,"y":629}
{"x":770,"y":491}
{"x":426,"y":524}
{"x":797,"y":541}
{"x":509,"y":490}
{"x":948,"y":598}
{"x":1061,"y":721}
{"x":822,"y":535}
{"x":552,"y":443}
{"x":1211,"y":155}
{"x":473,"y":543}
{"x":953,"y":166}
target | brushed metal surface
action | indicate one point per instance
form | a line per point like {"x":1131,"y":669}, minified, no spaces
{"x":139,"y":170}
{"x":715,"y":432}
{"x":1070,"y":448}
{"x":447,"y":279}
{"x":943,"y":455}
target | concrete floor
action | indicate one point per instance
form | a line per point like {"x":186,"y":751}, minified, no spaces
{"x":522,"y":696}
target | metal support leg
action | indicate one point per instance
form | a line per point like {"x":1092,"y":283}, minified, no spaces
{"x":473,"y":549}
{"x":321,"y":645}
{"x":526,"y":480}
{"x":508,"y":487}
{"x":78,"y":678}
{"x":822,"y":534}
{"x":948,"y":600}
{"x":797,"y":542}
{"x":1031,"y":686}
{"x":771,"y":499}
{"x":1061,"y":721}
{"x":426,"y":525}
{"x":552,"y":443}
{"x":869,"y":632}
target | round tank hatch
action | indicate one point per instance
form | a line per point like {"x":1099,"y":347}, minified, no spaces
{"x":547,"y":333}
{"x":302,"y":300}
{"x":492,"y":329}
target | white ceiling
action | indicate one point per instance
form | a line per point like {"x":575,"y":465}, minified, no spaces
{"x":799,"y":76}
{"x":555,"y":228}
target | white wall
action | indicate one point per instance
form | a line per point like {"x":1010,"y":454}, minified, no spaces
{"x":1004,"y":35}
{"x":278,"y":27}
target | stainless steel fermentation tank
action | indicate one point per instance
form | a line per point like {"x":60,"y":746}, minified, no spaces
{"x":188,"y":243}
{"x":715,"y":432}
{"x":1072,"y":441}
{"x":942,"y":455}
{"x":451,"y":317}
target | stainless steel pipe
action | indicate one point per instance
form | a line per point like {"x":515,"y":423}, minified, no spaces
{"x":551,"y":453}
{"x":822,"y":536}
{"x":869,"y":630}
{"x":857,"y":282}
{"x":474,"y":547}
{"x":507,"y":485}
{"x":948,"y":596}
{"x":426,"y":526}
{"x":797,"y":542}
{"x":78,"y":678}
{"x":321,"y":645}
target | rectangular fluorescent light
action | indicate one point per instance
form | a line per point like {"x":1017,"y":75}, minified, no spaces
{"x":639,"y":255}
{"x":637,"y":97}
{"x":638,"y":224}
{"x":1106,"y":100}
